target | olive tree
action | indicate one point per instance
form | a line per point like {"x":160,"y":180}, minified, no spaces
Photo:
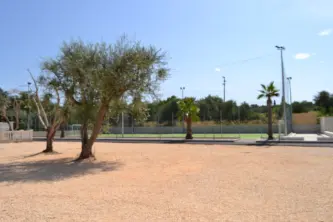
{"x":51,"y":115}
{"x":96,"y":76}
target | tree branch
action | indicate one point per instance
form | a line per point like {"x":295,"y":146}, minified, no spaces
{"x":57,"y":116}
{"x":38,"y":103}
{"x":39,"y":113}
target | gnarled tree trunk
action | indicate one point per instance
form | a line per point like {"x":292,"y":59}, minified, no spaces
{"x":270,"y":121}
{"x":62,"y":130}
{"x":86,"y":148}
{"x":17,"y":114}
{"x":86,"y":151}
{"x":17,"y":121}
{"x":189,"y":128}
{"x":50,"y":133}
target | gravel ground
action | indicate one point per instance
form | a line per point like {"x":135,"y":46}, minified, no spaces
{"x":166,"y":182}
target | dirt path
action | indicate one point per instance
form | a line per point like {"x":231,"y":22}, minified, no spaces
{"x":166,"y":182}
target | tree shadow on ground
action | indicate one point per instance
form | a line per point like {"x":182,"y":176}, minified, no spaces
{"x":264,"y":143}
{"x":41,"y":153}
{"x":52,"y":170}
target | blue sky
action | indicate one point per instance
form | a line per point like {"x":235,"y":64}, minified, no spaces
{"x":204,"y":40}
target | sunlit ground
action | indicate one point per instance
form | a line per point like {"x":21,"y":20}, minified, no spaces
{"x":166,"y":182}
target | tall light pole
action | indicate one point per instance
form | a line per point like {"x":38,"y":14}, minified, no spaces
{"x":182,"y":88}
{"x":291,"y":103}
{"x":239,"y":119}
{"x":223,"y":83}
{"x":29,"y":109}
{"x":223,"y":88}
{"x":281,"y":49}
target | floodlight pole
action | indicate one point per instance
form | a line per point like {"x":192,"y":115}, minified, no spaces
{"x":291,"y":103}
{"x":223,"y":83}
{"x":182,"y":88}
{"x":223,"y":88}
{"x":281,"y":49}
{"x":29,"y":109}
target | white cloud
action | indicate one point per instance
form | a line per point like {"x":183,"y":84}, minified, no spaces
{"x":217,"y":69}
{"x":325,"y":32}
{"x":302,"y":56}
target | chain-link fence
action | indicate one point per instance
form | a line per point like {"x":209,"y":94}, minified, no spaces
{"x":239,"y":123}
{"x":243,"y":121}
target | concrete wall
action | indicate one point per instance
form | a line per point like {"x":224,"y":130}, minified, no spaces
{"x":20,"y":135}
{"x":326,"y":124}
{"x":4,"y":126}
{"x":306,"y":128}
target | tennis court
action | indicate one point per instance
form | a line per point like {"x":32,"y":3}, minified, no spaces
{"x":180,"y":135}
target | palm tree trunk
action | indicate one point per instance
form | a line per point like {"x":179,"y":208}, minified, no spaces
{"x":189,"y":128}
{"x":270,"y":121}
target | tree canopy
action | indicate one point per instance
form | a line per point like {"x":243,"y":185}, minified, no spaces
{"x":95,"y":78}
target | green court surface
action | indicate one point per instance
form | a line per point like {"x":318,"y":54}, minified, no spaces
{"x":201,"y":136}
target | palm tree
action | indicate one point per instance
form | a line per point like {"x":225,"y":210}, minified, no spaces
{"x":269,"y":92}
{"x":188,"y":110}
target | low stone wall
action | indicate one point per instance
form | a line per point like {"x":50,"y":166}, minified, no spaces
{"x":69,"y":133}
{"x":4,"y":126}
{"x":306,"y":128}
{"x":16,"y":136}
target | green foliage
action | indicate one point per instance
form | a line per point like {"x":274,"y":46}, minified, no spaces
{"x":100,"y":79}
{"x":188,"y":109}
{"x":4,"y":99}
{"x":268,"y":91}
{"x":302,"y":107}
{"x":138,"y":110}
{"x":324,"y":103}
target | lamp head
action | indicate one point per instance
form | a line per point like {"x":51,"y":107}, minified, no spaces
{"x":280,"y":47}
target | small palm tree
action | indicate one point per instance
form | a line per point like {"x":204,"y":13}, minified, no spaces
{"x":189,"y":111}
{"x":269,"y":92}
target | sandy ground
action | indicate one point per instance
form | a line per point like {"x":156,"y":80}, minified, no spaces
{"x":171,"y":182}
